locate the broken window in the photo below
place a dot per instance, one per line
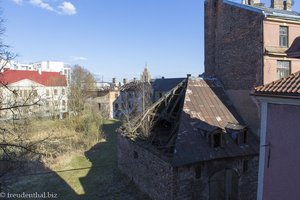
(215, 139)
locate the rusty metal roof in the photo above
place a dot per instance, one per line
(200, 110)
(206, 105)
(288, 87)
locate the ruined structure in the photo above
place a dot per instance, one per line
(190, 144)
(133, 99)
(246, 45)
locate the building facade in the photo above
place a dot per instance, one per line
(246, 45)
(279, 144)
(48, 91)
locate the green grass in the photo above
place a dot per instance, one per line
(92, 175)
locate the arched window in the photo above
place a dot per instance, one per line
(223, 185)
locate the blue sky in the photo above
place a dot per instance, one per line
(111, 38)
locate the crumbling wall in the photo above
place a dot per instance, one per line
(149, 172)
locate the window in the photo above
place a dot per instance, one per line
(47, 93)
(63, 91)
(283, 69)
(215, 139)
(283, 36)
(55, 91)
(245, 165)
(198, 172)
(99, 106)
(135, 155)
(35, 93)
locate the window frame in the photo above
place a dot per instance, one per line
(284, 37)
(282, 67)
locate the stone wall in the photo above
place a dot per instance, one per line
(149, 172)
(188, 186)
(159, 180)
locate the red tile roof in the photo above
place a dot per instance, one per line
(289, 86)
(45, 78)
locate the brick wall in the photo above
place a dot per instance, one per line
(233, 45)
(233, 53)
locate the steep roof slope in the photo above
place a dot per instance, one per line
(206, 107)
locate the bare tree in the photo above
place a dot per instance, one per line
(82, 83)
(14, 147)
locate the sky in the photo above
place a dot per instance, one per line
(110, 38)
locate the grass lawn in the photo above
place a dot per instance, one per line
(92, 175)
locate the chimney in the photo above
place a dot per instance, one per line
(124, 80)
(251, 2)
(114, 80)
(277, 4)
(40, 71)
(288, 5)
(134, 79)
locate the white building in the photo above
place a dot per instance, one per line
(48, 89)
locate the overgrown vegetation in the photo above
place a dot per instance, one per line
(65, 137)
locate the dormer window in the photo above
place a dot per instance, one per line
(238, 133)
(215, 139)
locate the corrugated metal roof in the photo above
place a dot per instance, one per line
(206, 105)
(289, 86)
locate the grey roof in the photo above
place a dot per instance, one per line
(206, 105)
(194, 106)
(165, 84)
(268, 12)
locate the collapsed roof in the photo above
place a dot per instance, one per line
(179, 124)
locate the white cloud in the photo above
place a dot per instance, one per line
(19, 2)
(78, 58)
(41, 4)
(67, 8)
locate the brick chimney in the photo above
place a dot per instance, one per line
(277, 4)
